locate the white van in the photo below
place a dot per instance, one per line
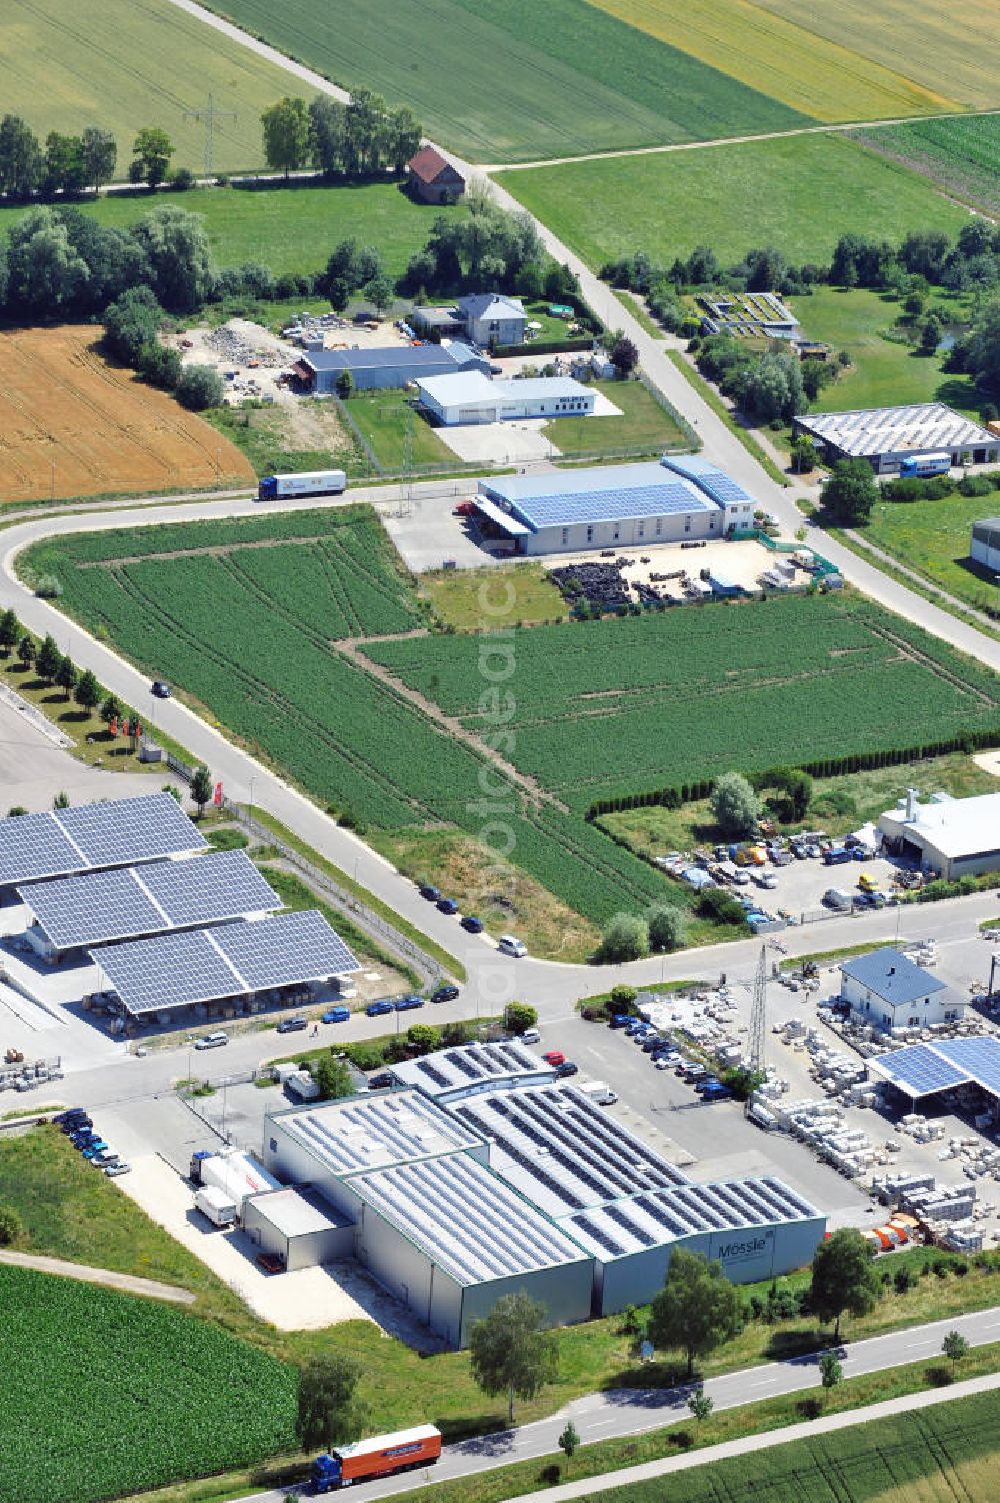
(531, 1036)
(508, 945)
(599, 1092)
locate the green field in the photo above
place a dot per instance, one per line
(99, 62)
(933, 537)
(962, 156)
(643, 428)
(800, 194)
(572, 79)
(117, 1394)
(291, 229)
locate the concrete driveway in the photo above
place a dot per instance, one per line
(522, 442)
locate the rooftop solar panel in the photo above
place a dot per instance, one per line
(661, 499)
(919, 1070)
(33, 845)
(225, 884)
(977, 1058)
(94, 835)
(265, 953)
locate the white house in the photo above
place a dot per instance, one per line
(888, 991)
(471, 397)
(490, 318)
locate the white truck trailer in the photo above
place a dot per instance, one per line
(308, 483)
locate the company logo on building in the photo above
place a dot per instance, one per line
(751, 1247)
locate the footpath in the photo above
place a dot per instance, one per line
(127, 1283)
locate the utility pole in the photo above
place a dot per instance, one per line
(406, 481)
(210, 115)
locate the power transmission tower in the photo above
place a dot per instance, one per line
(210, 115)
(758, 1014)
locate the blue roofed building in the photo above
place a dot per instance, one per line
(888, 991)
(386, 366)
(681, 497)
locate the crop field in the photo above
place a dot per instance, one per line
(942, 44)
(961, 156)
(291, 229)
(667, 203)
(606, 708)
(117, 1394)
(73, 425)
(575, 79)
(772, 47)
(99, 62)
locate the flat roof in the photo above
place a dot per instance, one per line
(954, 826)
(296, 1213)
(649, 1220)
(466, 1219)
(362, 1133)
(924, 1069)
(471, 1067)
(561, 1150)
(87, 837)
(476, 387)
(891, 976)
(923, 426)
(381, 357)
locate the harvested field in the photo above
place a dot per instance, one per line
(73, 425)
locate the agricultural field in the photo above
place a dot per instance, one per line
(939, 43)
(934, 537)
(73, 425)
(961, 156)
(575, 79)
(780, 50)
(799, 193)
(291, 229)
(141, 1395)
(98, 62)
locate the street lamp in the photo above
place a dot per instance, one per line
(189, 1041)
(253, 780)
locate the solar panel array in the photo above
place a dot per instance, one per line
(923, 1069)
(564, 508)
(125, 903)
(209, 965)
(92, 836)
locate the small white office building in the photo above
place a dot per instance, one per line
(952, 837)
(471, 397)
(888, 991)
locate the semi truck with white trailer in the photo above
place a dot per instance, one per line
(237, 1174)
(308, 483)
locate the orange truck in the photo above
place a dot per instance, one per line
(381, 1456)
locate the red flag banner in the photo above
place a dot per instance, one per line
(114, 725)
(218, 794)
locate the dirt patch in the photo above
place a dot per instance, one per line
(73, 425)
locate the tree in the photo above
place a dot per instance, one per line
(87, 692)
(666, 927)
(100, 153)
(21, 163)
(851, 492)
(65, 169)
(422, 1037)
(511, 1352)
(931, 331)
(518, 1017)
(623, 356)
(326, 134)
(803, 454)
(830, 1371)
(152, 150)
(569, 1440)
(696, 1310)
(735, 806)
(328, 1412)
(333, 1077)
(286, 135)
(48, 659)
(843, 1277)
(66, 675)
(700, 1405)
(10, 630)
(112, 709)
(132, 323)
(200, 386)
(379, 292)
(176, 246)
(622, 998)
(625, 938)
(405, 134)
(46, 273)
(344, 385)
(201, 788)
(954, 1346)
(61, 800)
(26, 651)
(11, 1225)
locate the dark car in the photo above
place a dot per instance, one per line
(378, 1009)
(75, 1124)
(83, 1137)
(445, 994)
(71, 1114)
(652, 1043)
(717, 1092)
(407, 1004)
(472, 923)
(292, 1025)
(429, 892)
(620, 1020)
(447, 905)
(566, 1068)
(159, 689)
(382, 1080)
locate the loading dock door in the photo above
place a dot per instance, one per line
(477, 414)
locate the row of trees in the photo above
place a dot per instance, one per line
(363, 138)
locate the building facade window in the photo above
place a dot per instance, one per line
(590, 534)
(565, 536)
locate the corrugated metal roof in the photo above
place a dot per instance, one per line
(368, 1132)
(921, 427)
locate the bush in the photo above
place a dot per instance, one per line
(182, 180)
(715, 903)
(939, 1376)
(11, 1227)
(48, 587)
(666, 928)
(625, 938)
(159, 366)
(518, 1016)
(623, 998)
(735, 806)
(199, 386)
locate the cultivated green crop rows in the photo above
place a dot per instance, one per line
(961, 155)
(108, 1394)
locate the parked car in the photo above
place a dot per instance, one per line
(159, 689)
(447, 905)
(216, 1040)
(531, 1036)
(407, 1004)
(95, 1147)
(472, 923)
(429, 892)
(620, 1020)
(292, 1025)
(337, 1015)
(72, 1113)
(717, 1092)
(650, 1042)
(382, 1080)
(508, 945)
(567, 1068)
(445, 994)
(75, 1124)
(765, 879)
(554, 1057)
(105, 1160)
(113, 1170)
(379, 1009)
(464, 509)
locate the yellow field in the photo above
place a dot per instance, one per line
(789, 61)
(969, 1481)
(951, 43)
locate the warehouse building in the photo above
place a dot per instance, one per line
(385, 368)
(454, 1074)
(952, 837)
(298, 1228)
(473, 398)
(895, 438)
(681, 497)
(985, 546)
(888, 991)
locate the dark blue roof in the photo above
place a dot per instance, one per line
(892, 977)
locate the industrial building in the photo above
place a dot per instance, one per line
(681, 497)
(888, 437)
(385, 368)
(951, 837)
(298, 1228)
(985, 546)
(479, 1175)
(473, 398)
(888, 991)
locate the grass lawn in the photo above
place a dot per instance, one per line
(455, 594)
(961, 155)
(290, 229)
(933, 537)
(799, 193)
(382, 417)
(645, 427)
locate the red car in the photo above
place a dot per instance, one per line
(554, 1057)
(464, 509)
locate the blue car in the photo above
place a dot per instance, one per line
(337, 1015)
(429, 892)
(407, 1004)
(447, 905)
(93, 1149)
(378, 1009)
(620, 1020)
(472, 923)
